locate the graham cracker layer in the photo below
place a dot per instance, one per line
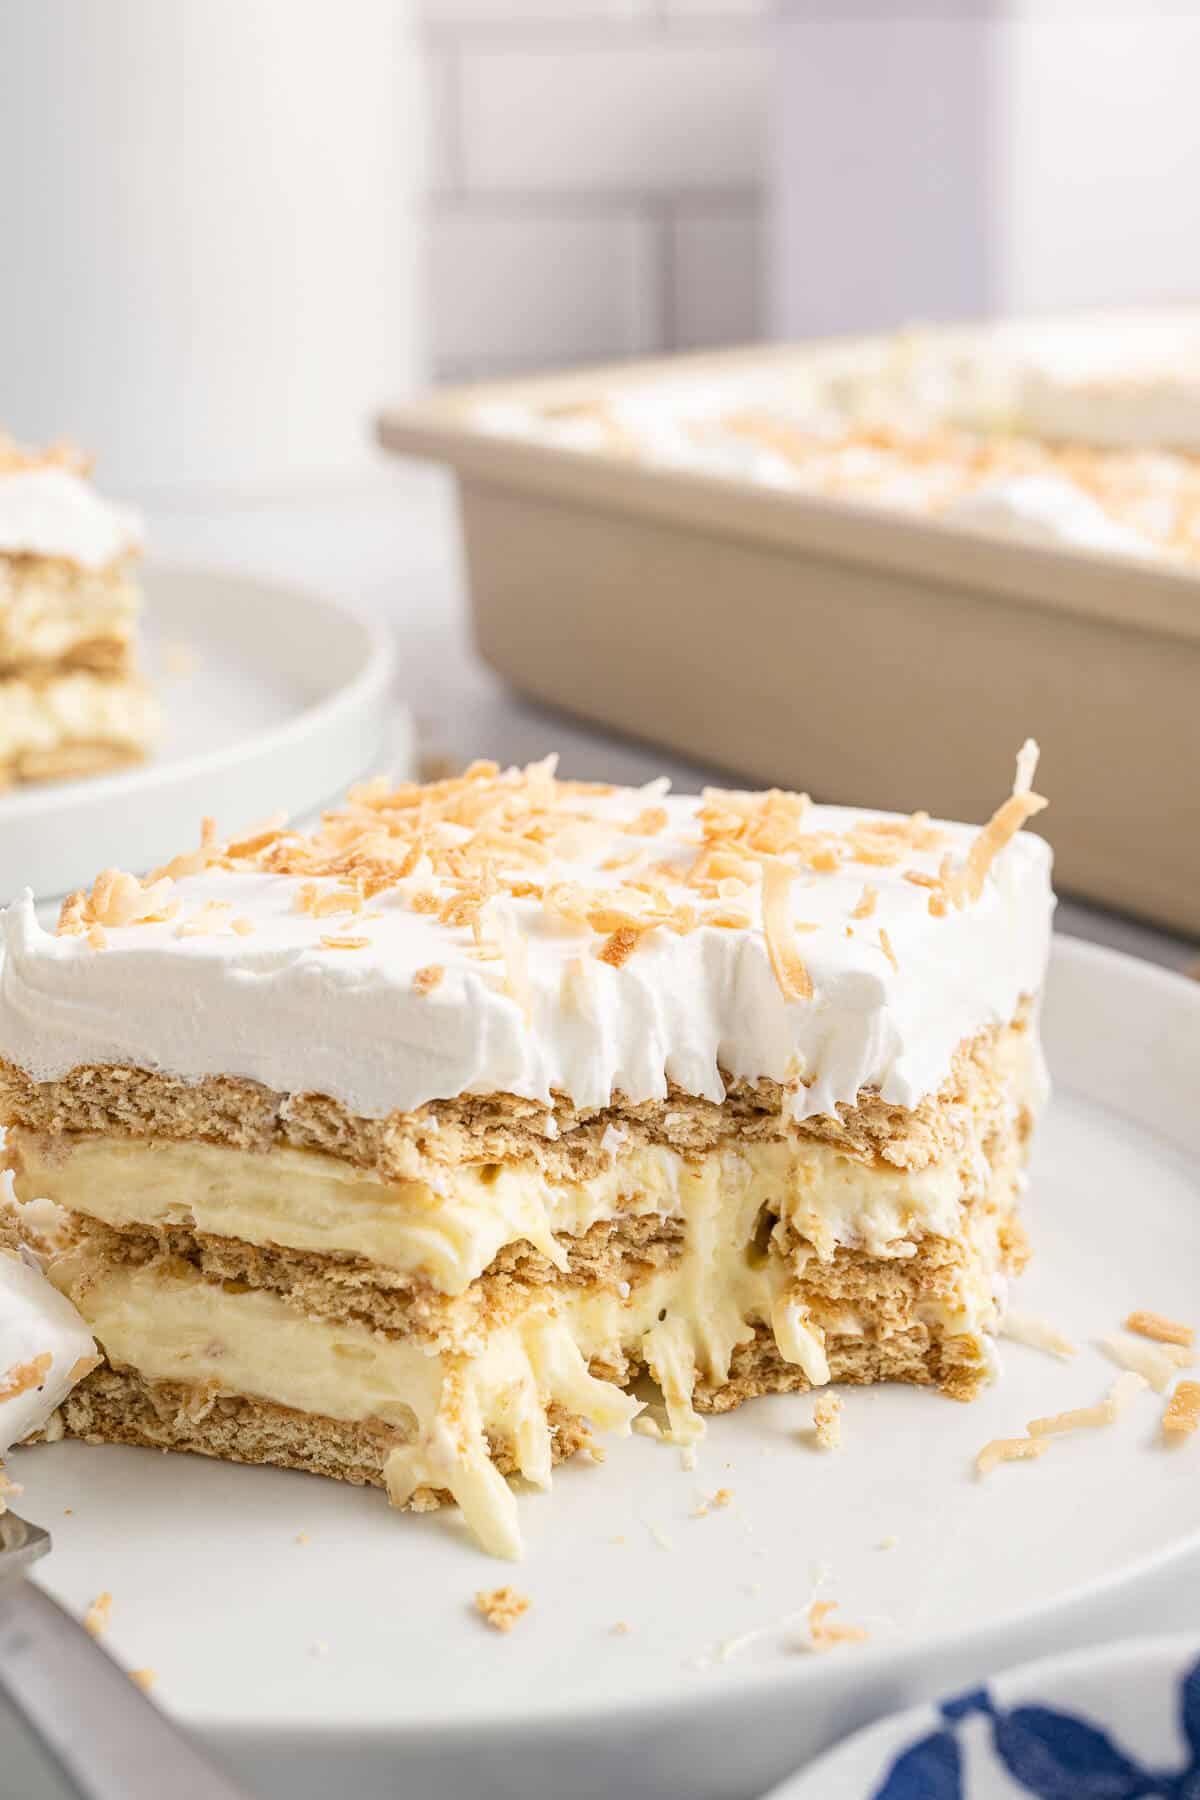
(566, 1143)
(113, 1406)
(611, 1252)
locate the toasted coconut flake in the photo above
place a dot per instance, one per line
(1181, 1415)
(143, 1678)
(1081, 1418)
(516, 962)
(885, 944)
(98, 1615)
(1157, 1362)
(619, 947)
(243, 926)
(1023, 1328)
(823, 1634)
(867, 902)
(428, 978)
(1027, 762)
(795, 982)
(97, 937)
(728, 918)
(1000, 829)
(1162, 1330)
(578, 992)
(345, 943)
(648, 823)
(25, 1376)
(1002, 1450)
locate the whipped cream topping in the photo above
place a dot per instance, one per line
(44, 1346)
(241, 980)
(48, 510)
(1044, 509)
(1051, 445)
(1121, 391)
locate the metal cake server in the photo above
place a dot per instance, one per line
(109, 1740)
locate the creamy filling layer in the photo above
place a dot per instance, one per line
(684, 1322)
(447, 1235)
(77, 708)
(297, 1200)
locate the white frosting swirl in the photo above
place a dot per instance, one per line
(277, 1006)
(49, 511)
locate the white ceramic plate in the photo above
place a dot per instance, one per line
(1112, 1722)
(355, 1663)
(273, 696)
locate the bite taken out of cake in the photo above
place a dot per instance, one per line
(397, 1150)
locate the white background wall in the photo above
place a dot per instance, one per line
(595, 178)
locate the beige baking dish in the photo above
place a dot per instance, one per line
(861, 654)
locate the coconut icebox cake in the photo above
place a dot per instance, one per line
(1091, 444)
(399, 1150)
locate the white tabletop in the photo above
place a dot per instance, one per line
(391, 546)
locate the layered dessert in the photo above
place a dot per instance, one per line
(1093, 447)
(398, 1150)
(72, 702)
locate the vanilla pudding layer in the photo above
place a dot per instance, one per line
(743, 1305)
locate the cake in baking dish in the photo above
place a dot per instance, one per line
(397, 1150)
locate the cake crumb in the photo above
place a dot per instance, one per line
(1181, 1415)
(824, 1635)
(1002, 1450)
(98, 1615)
(827, 1420)
(889, 1542)
(8, 1489)
(302, 1537)
(502, 1606)
(143, 1678)
(1162, 1330)
(620, 1629)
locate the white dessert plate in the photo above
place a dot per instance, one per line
(351, 1660)
(273, 697)
(1123, 1720)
